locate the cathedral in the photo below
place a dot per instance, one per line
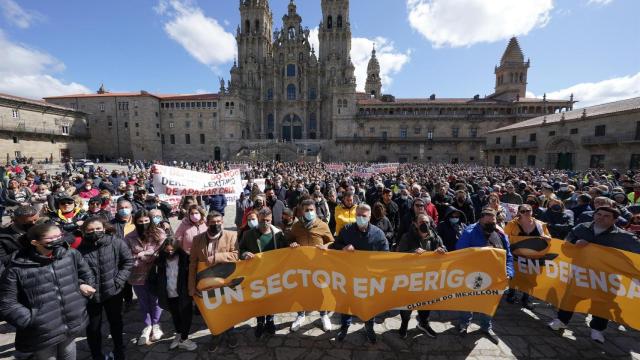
(286, 100)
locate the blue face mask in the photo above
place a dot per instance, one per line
(124, 212)
(362, 221)
(156, 220)
(310, 215)
(252, 224)
(454, 221)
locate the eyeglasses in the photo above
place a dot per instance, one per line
(524, 211)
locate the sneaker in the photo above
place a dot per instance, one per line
(144, 336)
(156, 333)
(259, 330)
(213, 346)
(371, 334)
(597, 336)
(270, 328)
(491, 335)
(556, 325)
(232, 340)
(403, 330)
(176, 341)
(426, 328)
(188, 345)
(297, 323)
(326, 323)
(462, 330)
(343, 333)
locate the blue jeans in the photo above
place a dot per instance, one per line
(465, 319)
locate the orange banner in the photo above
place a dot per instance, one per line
(359, 283)
(596, 280)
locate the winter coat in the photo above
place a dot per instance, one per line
(250, 241)
(450, 233)
(412, 240)
(466, 208)
(473, 236)
(110, 260)
(385, 225)
(344, 216)
(41, 297)
(144, 254)
(217, 203)
(187, 231)
(157, 279)
(68, 225)
(392, 212)
(613, 237)
(559, 223)
(317, 234)
(371, 240)
(276, 210)
(10, 242)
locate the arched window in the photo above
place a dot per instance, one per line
(291, 92)
(292, 33)
(521, 77)
(256, 27)
(312, 93)
(329, 22)
(313, 123)
(291, 70)
(269, 94)
(339, 22)
(270, 123)
(247, 26)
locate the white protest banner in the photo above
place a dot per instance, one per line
(181, 182)
(334, 167)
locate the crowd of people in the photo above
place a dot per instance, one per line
(71, 254)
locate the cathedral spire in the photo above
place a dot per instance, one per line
(513, 53)
(373, 85)
(511, 74)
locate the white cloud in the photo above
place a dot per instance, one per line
(16, 15)
(203, 37)
(457, 23)
(605, 91)
(27, 72)
(391, 60)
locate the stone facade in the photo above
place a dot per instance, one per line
(283, 101)
(39, 130)
(601, 136)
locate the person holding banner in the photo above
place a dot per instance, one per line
(310, 231)
(525, 225)
(365, 237)
(421, 238)
(215, 246)
(264, 238)
(604, 232)
(484, 233)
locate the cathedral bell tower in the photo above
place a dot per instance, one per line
(253, 37)
(511, 74)
(373, 86)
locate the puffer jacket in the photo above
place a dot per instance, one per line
(187, 231)
(110, 260)
(41, 297)
(144, 254)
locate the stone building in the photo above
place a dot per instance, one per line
(601, 136)
(39, 130)
(284, 101)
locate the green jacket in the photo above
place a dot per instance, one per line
(250, 241)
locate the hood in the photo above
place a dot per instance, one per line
(450, 210)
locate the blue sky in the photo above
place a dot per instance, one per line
(447, 47)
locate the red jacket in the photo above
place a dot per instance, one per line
(432, 211)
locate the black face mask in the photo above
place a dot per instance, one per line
(215, 229)
(258, 205)
(287, 222)
(424, 228)
(489, 228)
(556, 208)
(26, 226)
(94, 236)
(54, 244)
(142, 228)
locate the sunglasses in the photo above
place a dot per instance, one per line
(524, 211)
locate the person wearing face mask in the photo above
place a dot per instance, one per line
(215, 246)
(480, 200)
(190, 227)
(405, 203)
(43, 293)
(69, 217)
(23, 219)
(145, 244)
(345, 212)
(88, 191)
(584, 205)
(294, 195)
(95, 209)
(266, 237)
(168, 280)
(419, 240)
(534, 202)
(275, 205)
(362, 236)
(484, 233)
(462, 203)
(288, 220)
(259, 201)
(309, 230)
(451, 227)
(322, 209)
(40, 197)
(558, 220)
(111, 260)
(279, 189)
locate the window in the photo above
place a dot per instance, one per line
(329, 22)
(172, 139)
(137, 125)
(200, 124)
(126, 125)
(157, 134)
(601, 130)
(135, 104)
(65, 129)
(187, 115)
(202, 139)
(312, 94)
(339, 22)
(417, 130)
(496, 160)
(16, 140)
(372, 130)
(634, 164)
(269, 94)
(430, 134)
(156, 114)
(552, 133)
(172, 125)
(512, 160)
(137, 133)
(270, 123)
(162, 139)
(110, 124)
(291, 70)
(187, 124)
(135, 113)
(455, 132)
(498, 140)
(473, 132)
(198, 104)
(187, 139)
(15, 114)
(157, 126)
(291, 92)
(170, 115)
(597, 162)
(101, 106)
(533, 137)
(313, 123)
(531, 160)
(403, 133)
(573, 131)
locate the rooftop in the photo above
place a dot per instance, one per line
(34, 102)
(141, 93)
(576, 115)
(445, 101)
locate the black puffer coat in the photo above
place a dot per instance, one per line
(41, 297)
(110, 260)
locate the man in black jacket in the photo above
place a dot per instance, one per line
(24, 217)
(43, 294)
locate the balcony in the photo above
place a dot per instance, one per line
(21, 128)
(408, 139)
(600, 140)
(629, 138)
